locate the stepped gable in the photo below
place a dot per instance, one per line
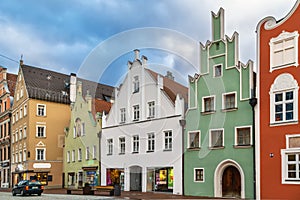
(11, 82)
(46, 85)
(171, 87)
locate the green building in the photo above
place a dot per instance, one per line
(218, 157)
(89, 101)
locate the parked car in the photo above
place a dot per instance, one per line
(28, 187)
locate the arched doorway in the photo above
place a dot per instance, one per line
(231, 182)
(135, 178)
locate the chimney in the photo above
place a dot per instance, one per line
(144, 60)
(73, 80)
(137, 54)
(170, 75)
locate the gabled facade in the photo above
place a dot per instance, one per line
(218, 157)
(278, 108)
(40, 112)
(7, 88)
(81, 150)
(141, 137)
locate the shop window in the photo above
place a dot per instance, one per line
(42, 177)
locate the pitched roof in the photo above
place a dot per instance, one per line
(101, 106)
(53, 86)
(45, 84)
(171, 87)
(11, 82)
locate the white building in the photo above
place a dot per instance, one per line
(142, 135)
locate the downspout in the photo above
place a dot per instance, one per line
(182, 124)
(253, 102)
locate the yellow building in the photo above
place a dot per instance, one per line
(40, 112)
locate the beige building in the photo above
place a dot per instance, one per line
(40, 113)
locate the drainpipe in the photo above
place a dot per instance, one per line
(253, 102)
(99, 134)
(182, 124)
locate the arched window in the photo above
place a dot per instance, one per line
(284, 99)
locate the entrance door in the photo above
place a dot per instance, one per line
(231, 182)
(135, 178)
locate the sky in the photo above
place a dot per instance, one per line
(95, 38)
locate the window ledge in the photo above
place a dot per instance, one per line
(167, 150)
(121, 153)
(216, 148)
(242, 146)
(292, 182)
(194, 149)
(135, 120)
(208, 112)
(284, 123)
(135, 152)
(109, 154)
(149, 151)
(229, 109)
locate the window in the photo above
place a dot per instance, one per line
(284, 99)
(122, 145)
(25, 110)
(40, 154)
(24, 132)
(83, 128)
(20, 134)
(136, 112)
(243, 136)
(151, 142)
(24, 155)
(21, 92)
(284, 50)
(168, 140)
(136, 84)
(290, 160)
(73, 155)
(20, 156)
(194, 139)
(13, 119)
(17, 116)
(68, 156)
(229, 101)
(94, 151)
(136, 144)
(110, 146)
(198, 175)
(151, 109)
(217, 70)
(17, 136)
(216, 138)
(87, 153)
(21, 113)
(208, 104)
(41, 110)
(123, 115)
(40, 131)
(79, 154)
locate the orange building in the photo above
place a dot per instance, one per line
(7, 87)
(278, 108)
(41, 111)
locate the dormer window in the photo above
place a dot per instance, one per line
(136, 84)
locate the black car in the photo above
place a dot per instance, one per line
(28, 187)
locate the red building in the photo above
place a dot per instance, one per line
(278, 126)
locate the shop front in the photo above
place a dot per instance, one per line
(160, 179)
(115, 176)
(91, 175)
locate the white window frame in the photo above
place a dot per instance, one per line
(38, 106)
(151, 109)
(68, 156)
(73, 156)
(284, 162)
(136, 84)
(122, 115)
(121, 143)
(282, 38)
(195, 175)
(236, 135)
(168, 140)
(24, 155)
(94, 151)
(135, 144)
(213, 97)
(136, 112)
(189, 142)
(224, 95)
(87, 153)
(79, 154)
(36, 153)
(37, 131)
(20, 133)
(210, 138)
(150, 142)
(20, 156)
(110, 146)
(25, 110)
(24, 131)
(283, 83)
(214, 70)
